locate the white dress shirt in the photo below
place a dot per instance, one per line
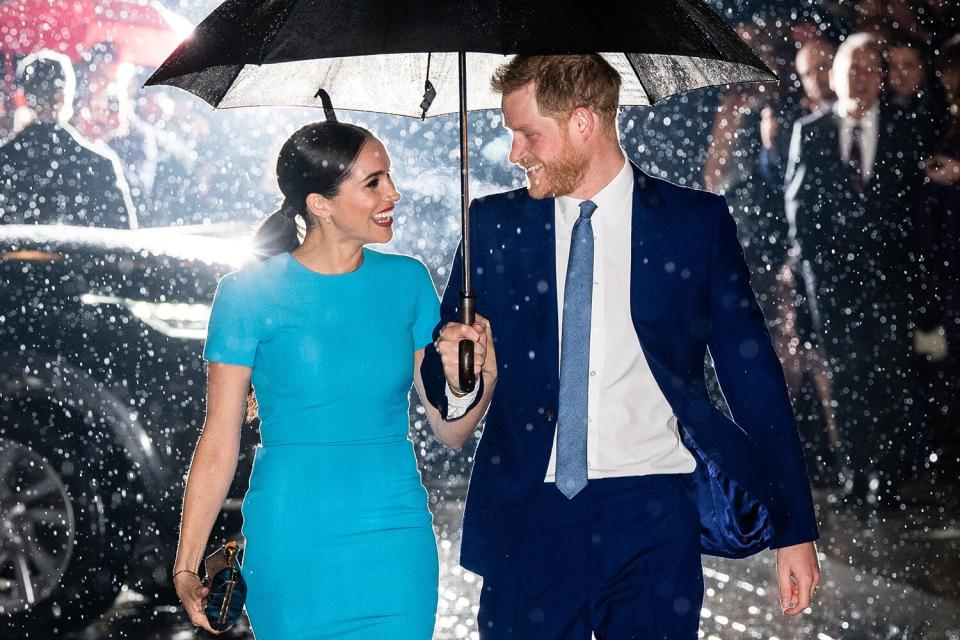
(869, 135)
(631, 429)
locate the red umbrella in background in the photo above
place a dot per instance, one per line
(143, 33)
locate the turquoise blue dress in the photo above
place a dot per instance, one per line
(339, 541)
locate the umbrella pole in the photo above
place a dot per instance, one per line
(468, 300)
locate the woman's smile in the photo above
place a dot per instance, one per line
(384, 218)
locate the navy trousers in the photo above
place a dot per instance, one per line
(621, 560)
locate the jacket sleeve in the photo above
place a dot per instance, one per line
(752, 381)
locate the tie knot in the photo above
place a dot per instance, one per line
(587, 207)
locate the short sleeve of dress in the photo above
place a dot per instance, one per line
(231, 335)
(428, 309)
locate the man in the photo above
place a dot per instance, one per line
(48, 172)
(604, 470)
(108, 116)
(852, 197)
(914, 100)
(813, 63)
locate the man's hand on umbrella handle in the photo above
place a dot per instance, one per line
(798, 571)
(448, 346)
(489, 364)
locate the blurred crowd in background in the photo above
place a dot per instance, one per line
(844, 179)
(845, 185)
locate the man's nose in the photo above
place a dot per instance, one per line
(516, 151)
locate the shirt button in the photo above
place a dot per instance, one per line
(593, 374)
(589, 419)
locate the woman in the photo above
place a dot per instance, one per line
(339, 542)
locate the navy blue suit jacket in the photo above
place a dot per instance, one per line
(689, 292)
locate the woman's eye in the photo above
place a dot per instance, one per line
(373, 184)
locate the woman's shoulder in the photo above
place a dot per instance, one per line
(255, 278)
(397, 263)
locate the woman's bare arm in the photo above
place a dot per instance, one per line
(211, 474)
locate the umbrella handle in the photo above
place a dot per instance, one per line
(468, 380)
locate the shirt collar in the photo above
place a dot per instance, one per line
(609, 198)
(869, 121)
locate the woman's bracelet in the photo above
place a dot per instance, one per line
(193, 573)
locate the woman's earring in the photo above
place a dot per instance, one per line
(328, 219)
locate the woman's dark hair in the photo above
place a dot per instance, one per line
(315, 159)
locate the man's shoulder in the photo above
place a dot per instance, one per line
(503, 199)
(90, 151)
(661, 193)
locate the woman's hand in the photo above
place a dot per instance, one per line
(192, 595)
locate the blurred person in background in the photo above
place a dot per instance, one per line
(942, 245)
(914, 96)
(51, 173)
(742, 148)
(813, 61)
(744, 163)
(853, 188)
(108, 115)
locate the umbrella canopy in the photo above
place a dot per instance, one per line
(142, 31)
(411, 57)
(374, 56)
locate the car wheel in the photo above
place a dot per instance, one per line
(62, 559)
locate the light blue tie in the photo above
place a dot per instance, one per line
(575, 358)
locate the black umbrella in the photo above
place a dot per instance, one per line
(411, 57)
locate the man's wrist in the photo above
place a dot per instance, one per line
(456, 391)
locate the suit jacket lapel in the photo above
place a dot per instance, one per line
(647, 240)
(539, 262)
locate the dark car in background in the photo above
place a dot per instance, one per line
(102, 390)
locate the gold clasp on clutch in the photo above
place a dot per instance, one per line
(229, 551)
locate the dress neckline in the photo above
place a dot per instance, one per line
(302, 267)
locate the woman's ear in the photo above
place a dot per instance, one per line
(318, 205)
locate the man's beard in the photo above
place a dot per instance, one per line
(560, 177)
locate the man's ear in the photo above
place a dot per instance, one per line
(830, 75)
(583, 123)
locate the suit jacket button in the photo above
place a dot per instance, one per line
(550, 415)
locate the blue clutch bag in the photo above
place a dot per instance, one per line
(228, 591)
